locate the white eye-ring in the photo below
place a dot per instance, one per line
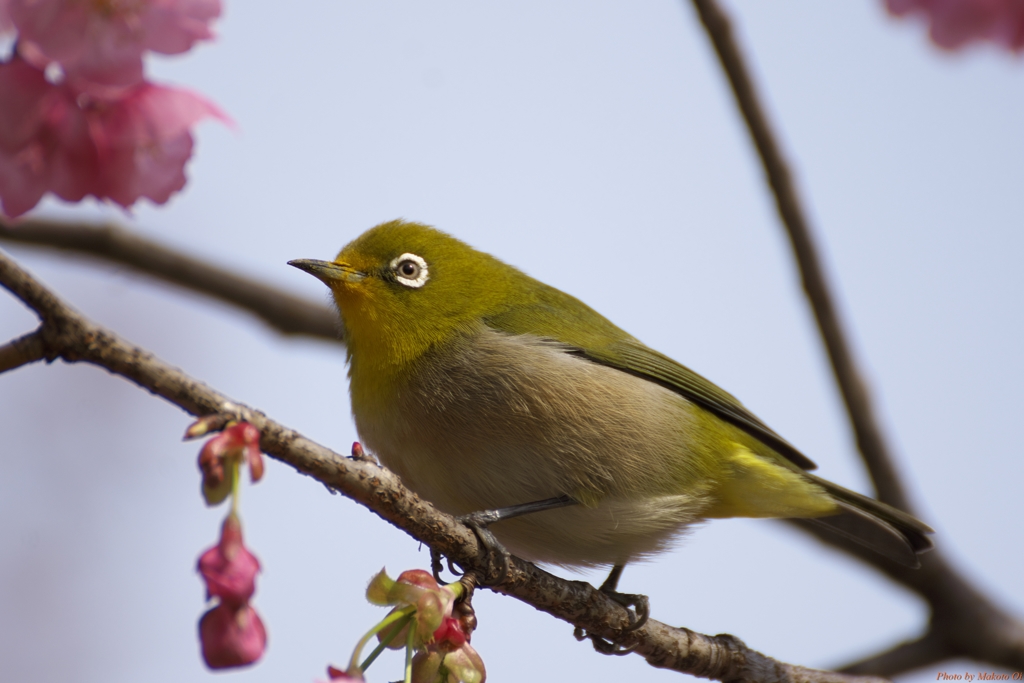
(410, 270)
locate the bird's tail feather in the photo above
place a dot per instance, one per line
(875, 525)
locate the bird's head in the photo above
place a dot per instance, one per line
(403, 287)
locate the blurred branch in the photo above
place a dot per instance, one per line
(964, 622)
(287, 313)
(21, 351)
(913, 654)
(868, 433)
(67, 335)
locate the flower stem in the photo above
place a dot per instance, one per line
(387, 621)
(457, 587)
(236, 485)
(408, 655)
(399, 625)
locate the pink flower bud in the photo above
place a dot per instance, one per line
(426, 667)
(418, 577)
(231, 637)
(204, 425)
(238, 444)
(414, 587)
(228, 568)
(465, 665)
(343, 676)
(449, 635)
(459, 666)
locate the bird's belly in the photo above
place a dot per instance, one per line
(501, 420)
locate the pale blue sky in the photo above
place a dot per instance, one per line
(595, 145)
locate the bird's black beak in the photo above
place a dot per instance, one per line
(328, 272)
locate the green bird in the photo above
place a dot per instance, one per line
(486, 390)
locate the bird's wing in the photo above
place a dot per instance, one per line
(556, 315)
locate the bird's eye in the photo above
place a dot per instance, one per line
(410, 270)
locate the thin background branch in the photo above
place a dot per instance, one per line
(287, 313)
(964, 622)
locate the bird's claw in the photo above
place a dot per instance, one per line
(491, 546)
(640, 603)
(435, 565)
(605, 647)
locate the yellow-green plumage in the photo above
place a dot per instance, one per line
(484, 388)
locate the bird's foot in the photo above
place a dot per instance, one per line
(641, 605)
(605, 647)
(435, 565)
(639, 602)
(498, 559)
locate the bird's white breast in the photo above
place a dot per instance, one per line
(494, 420)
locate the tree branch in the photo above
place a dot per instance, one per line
(21, 351)
(868, 433)
(67, 335)
(964, 621)
(913, 654)
(286, 313)
(983, 631)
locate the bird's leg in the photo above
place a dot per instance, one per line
(627, 600)
(479, 521)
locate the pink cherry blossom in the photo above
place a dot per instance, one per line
(102, 41)
(413, 587)
(232, 637)
(5, 17)
(55, 138)
(953, 23)
(45, 143)
(143, 140)
(228, 568)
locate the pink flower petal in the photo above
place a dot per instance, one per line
(6, 24)
(954, 23)
(173, 26)
(44, 140)
(143, 141)
(449, 635)
(103, 42)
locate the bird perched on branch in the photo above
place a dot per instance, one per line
(486, 390)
